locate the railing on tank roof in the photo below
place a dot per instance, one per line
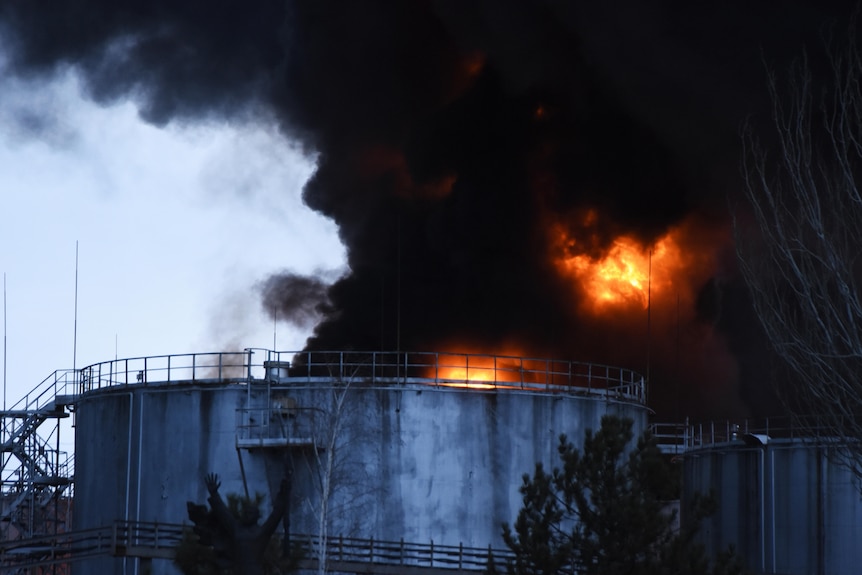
(695, 435)
(443, 369)
(210, 367)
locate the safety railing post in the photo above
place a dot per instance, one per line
(685, 435)
(547, 374)
(250, 352)
(114, 536)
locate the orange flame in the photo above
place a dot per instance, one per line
(476, 371)
(628, 273)
(468, 369)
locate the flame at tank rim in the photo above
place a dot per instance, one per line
(446, 370)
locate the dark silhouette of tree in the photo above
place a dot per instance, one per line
(799, 244)
(606, 511)
(226, 538)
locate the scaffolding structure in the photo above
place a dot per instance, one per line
(36, 476)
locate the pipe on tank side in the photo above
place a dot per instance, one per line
(762, 510)
(772, 502)
(140, 454)
(129, 468)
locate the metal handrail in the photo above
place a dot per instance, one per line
(401, 553)
(55, 549)
(288, 423)
(125, 538)
(167, 369)
(43, 395)
(440, 369)
(709, 433)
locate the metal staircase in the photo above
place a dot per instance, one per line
(36, 477)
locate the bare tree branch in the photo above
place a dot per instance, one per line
(799, 246)
(339, 479)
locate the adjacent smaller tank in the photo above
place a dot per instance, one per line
(784, 503)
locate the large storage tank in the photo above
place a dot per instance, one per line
(419, 447)
(784, 503)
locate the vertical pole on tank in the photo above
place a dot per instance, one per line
(821, 523)
(249, 364)
(762, 509)
(285, 520)
(772, 500)
(242, 471)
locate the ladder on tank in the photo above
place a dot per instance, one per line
(273, 420)
(35, 476)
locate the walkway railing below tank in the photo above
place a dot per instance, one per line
(477, 371)
(342, 552)
(158, 540)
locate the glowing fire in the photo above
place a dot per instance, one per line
(474, 371)
(628, 273)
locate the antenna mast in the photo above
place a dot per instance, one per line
(4, 341)
(75, 335)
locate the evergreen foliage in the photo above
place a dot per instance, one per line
(197, 552)
(606, 511)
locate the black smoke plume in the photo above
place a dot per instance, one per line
(452, 136)
(297, 299)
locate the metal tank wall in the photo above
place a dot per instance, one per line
(412, 461)
(142, 452)
(784, 505)
(439, 464)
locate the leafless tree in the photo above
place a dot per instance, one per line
(326, 471)
(800, 245)
(340, 481)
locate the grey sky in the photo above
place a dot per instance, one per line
(176, 227)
